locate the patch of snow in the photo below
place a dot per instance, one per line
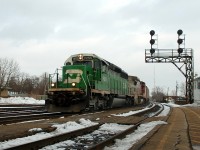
(165, 111)
(173, 105)
(129, 140)
(21, 100)
(61, 128)
(114, 127)
(107, 128)
(130, 113)
(35, 130)
(192, 105)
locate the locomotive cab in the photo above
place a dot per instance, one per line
(75, 84)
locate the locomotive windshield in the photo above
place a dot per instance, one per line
(87, 63)
(82, 60)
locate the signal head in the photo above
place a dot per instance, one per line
(152, 41)
(180, 50)
(152, 32)
(152, 50)
(179, 32)
(180, 41)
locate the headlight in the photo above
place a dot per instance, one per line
(73, 84)
(80, 57)
(52, 84)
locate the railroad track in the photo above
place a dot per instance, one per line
(13, 110)
(15, 113)
(92, 143)
(20, 107)
(18, 113)
(27, 117)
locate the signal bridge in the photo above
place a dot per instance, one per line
(181, 56)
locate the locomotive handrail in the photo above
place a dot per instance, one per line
(89, 84)
(84, 83)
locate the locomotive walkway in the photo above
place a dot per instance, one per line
(181, 132)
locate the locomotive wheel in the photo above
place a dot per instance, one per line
(96, 106)
(129, 101)
(110, 102)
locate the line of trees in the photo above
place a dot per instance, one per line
(20, 82)
(158, 93)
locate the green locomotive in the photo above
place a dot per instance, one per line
(86, 82)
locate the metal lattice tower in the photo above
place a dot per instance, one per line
(181, 56)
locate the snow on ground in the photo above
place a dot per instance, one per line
(176, 105)
(168, 105)
(71, 126)
(61, 128)
(107, 128)
(173, 105)
(132, 112)
(165, 111)
(129, 140)
(21, 100)
(192, 105)
(122, 144)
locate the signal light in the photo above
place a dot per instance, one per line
(180, 41)
(179, 32)
(180, 50)
(152, 32)
(152, 41)
(152, 50)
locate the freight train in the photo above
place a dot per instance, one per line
(87, 81)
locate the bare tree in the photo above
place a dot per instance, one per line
(22, 79)
(42, 84)
(20, 82)
(158, 94)
(8, 69)
(26, 84)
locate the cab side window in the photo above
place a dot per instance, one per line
(68, 63)
(104, 66)
(97, 64)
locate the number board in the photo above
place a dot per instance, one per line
(84, 58)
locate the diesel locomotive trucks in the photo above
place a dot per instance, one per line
(87, 81)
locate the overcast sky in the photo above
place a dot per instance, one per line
(41, 34)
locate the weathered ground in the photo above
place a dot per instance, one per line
(181, 131)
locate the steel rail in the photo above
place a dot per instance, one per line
(15, 119)
(122, 134)
(54, 139)
(65, 136)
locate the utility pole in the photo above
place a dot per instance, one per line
(176, 88)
